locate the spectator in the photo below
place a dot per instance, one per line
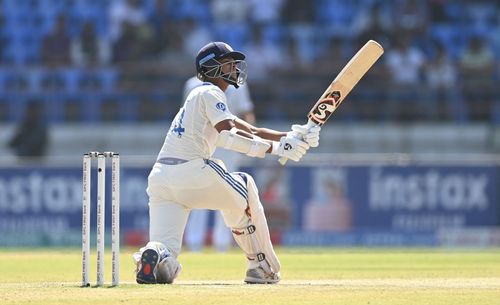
(476, 61)
(88, 49)
(173, 54)
(230, 11)
(56, 45)
(298, 12)
(411, 16)
(2, 37)
(437, 10)
(480, 14)
(495, 36)
(124, 12)
(374, 22)
(134, 44)
(195, 35)
(331, 58)
(495, 43)
(265, 12)
(477, 66)
(441, 76)
(263, 57)
(405, 65)
(168, 35)
(166, 30)
(299, 16)
(31, 136)
(158, 16)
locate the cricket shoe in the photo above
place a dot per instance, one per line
(259, 276)
(147, 270)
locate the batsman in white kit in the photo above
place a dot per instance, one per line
(240, 103)
(186, 176)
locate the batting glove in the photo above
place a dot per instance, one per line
(290, 147)
(309, 135)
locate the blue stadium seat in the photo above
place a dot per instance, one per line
(108, 78)
(128, 106)
(335, 12)
(495, 113)
(449, 36)
(11, 7)
(52, 80)
(236, 37)
(16, 108)
(199, 10)
(102, 27)
(54, 106)
(89, 10)
(274, 33)
(90, 106)
(71, 78)
(13, 28)
(34, 77)
(16, 53)
(3, 79)
(25, 79)
(494, 38)
(49, 9)
(78, 80)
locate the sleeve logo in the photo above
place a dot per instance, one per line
(221, 106)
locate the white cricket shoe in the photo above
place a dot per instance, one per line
(259, 276)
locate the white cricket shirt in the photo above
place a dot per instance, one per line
(192, 133)
(238, 100)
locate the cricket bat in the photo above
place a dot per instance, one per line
(350, 75)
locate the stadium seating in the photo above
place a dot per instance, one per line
(26, 22)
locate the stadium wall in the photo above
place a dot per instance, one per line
(353, 200)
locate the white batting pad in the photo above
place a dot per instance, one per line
(254, 239)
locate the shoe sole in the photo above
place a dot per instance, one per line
(252, 280)
(149, 260)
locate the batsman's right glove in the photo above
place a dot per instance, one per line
(309, 135)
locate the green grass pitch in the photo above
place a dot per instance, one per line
(309, 276)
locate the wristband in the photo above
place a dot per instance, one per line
(276, 146)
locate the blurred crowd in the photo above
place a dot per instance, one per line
(126, 60)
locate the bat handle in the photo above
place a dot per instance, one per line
(283, 160)
(309, 125)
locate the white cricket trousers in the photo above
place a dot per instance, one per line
(197, 225)
(174, 190)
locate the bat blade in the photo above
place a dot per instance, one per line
(342, 85)
(345, 81)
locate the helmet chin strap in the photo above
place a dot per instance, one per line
(231, 82)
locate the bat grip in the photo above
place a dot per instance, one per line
(309, 125)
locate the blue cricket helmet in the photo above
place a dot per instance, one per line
(216, 50)
(208, 64)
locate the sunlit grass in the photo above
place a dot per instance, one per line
(309, 276)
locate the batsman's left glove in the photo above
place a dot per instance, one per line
(290, 147)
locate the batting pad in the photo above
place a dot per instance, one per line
(254, 239)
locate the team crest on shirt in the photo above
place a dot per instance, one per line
(221, 106)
